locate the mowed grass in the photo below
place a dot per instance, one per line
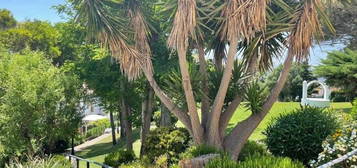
(98, 151)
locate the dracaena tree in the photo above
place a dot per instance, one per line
(257, 31)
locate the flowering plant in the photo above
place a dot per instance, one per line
(338, 144)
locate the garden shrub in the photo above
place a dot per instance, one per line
(341, 142)
(252, 148)
(269, 162)
(166, 140)
(299, 135)
(196, 151)
(117, 158)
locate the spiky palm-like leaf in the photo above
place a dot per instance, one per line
(307, 26)
(255, 97)
(101, 18)
(184, 25)
(242, 19)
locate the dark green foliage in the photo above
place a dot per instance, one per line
(252, 148)
(299, 134)
(340, 70)
(196, 151)
(293, 86)
(166, 140)
(269, 162)
(117, 158)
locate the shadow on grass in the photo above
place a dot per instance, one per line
(106, 147)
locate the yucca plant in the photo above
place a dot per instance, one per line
(259, 30)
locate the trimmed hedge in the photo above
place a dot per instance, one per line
(299, 135)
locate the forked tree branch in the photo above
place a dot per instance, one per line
(234, 141)
(214, 135)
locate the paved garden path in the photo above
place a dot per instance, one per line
(91, 142)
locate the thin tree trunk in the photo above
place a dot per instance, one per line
(113, 127)
(190, 99)
(127, 125)
(235, 141)
(165, 119)
(213, 134)
(147, 110)
(122, 126)
(205, 99)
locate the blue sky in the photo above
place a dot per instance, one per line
(32, 9)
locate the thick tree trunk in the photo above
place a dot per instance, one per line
(146, 114)
(228, 113)
(165, 119)
(214, 138)
(234, 142)
(113, 127)
(190, 99)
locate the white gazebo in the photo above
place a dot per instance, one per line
(315, 102)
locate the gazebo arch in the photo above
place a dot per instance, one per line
(316, 102)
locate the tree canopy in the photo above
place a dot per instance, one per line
(339, 69)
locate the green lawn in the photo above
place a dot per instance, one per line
(97, 152)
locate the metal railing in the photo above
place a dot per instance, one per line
(338, 160)
(88, 162)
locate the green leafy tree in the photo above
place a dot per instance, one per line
(339, 69)
(7, 20)
(34, 35)
(293, 86)
(36, 98)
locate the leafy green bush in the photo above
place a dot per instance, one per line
(252, 148)
(269, 162)
(167, 140)
(195, 151)
(56, 161)
(341, 142)
(120, 157)
(299, 135)
(354, 109)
